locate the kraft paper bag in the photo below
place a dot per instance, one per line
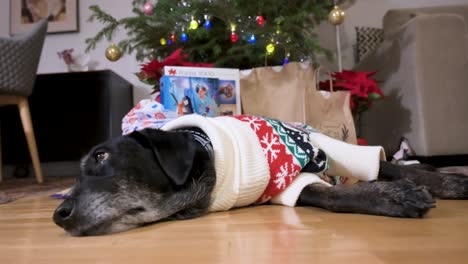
(290, 93)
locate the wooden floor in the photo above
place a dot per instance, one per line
(265, 234)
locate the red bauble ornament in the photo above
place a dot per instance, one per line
(234, 37)
(260, 21)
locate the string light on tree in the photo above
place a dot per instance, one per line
(270, 48)
(252, 39)
(193, 24)
(169, 42)
(278, 30)
(173, 37)
(113, 53)
(207, 23)
(286, 59)
(151, 54)
(260, 20)
(234, 36)
(163, 41)
(183, 37)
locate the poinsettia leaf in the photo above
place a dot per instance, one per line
(362, 87)
(374, 96)
(349, 86)
(375, 89)
(150, 81)
(370, 74)
(352, 104)
(156, 89)
(139, 75)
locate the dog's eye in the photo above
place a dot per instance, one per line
(101, 157)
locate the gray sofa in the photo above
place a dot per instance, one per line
(423, 68)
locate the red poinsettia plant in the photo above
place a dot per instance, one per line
(151, 72)
(364, 91)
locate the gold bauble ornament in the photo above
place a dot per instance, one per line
(113, 53)
(336, 16)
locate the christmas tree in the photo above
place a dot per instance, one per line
(230, 33)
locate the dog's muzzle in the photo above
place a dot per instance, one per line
(64, 214)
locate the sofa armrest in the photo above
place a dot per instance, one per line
(378, 58)
(423, 70)
(396, 18)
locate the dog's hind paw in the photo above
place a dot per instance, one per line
(452, 186)
(404, 198)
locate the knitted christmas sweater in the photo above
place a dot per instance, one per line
(259, 159)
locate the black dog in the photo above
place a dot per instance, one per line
(155, 175)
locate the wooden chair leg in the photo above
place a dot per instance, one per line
(25, 114)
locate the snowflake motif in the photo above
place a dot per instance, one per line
(269, 142)
(254, 122)
(280, 177)
(305, 138)
(294, 174)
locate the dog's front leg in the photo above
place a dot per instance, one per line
(442, 185)
(401, 198)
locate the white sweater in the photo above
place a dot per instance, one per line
(242, 170)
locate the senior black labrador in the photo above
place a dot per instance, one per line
(153, 175)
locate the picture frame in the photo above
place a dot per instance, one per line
(62, 14)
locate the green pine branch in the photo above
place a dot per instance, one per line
(110, 23)
(289, 25)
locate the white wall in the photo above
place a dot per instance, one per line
(363, 13)
(4, 17)
(50, 63)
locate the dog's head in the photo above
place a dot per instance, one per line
(137, 179)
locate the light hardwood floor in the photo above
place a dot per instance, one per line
(264, 234)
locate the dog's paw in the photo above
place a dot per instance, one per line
(452, 186)
(404, 198)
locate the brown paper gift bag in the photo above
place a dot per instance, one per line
(290, 93)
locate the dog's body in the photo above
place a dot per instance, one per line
(154, 175)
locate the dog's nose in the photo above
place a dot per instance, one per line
(63, 214)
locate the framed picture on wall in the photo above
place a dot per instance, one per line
(62, 15)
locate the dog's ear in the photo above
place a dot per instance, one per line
(174, 151)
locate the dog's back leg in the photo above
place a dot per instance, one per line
(401, 198)
(442, 185)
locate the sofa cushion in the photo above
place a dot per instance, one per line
(367, 39)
